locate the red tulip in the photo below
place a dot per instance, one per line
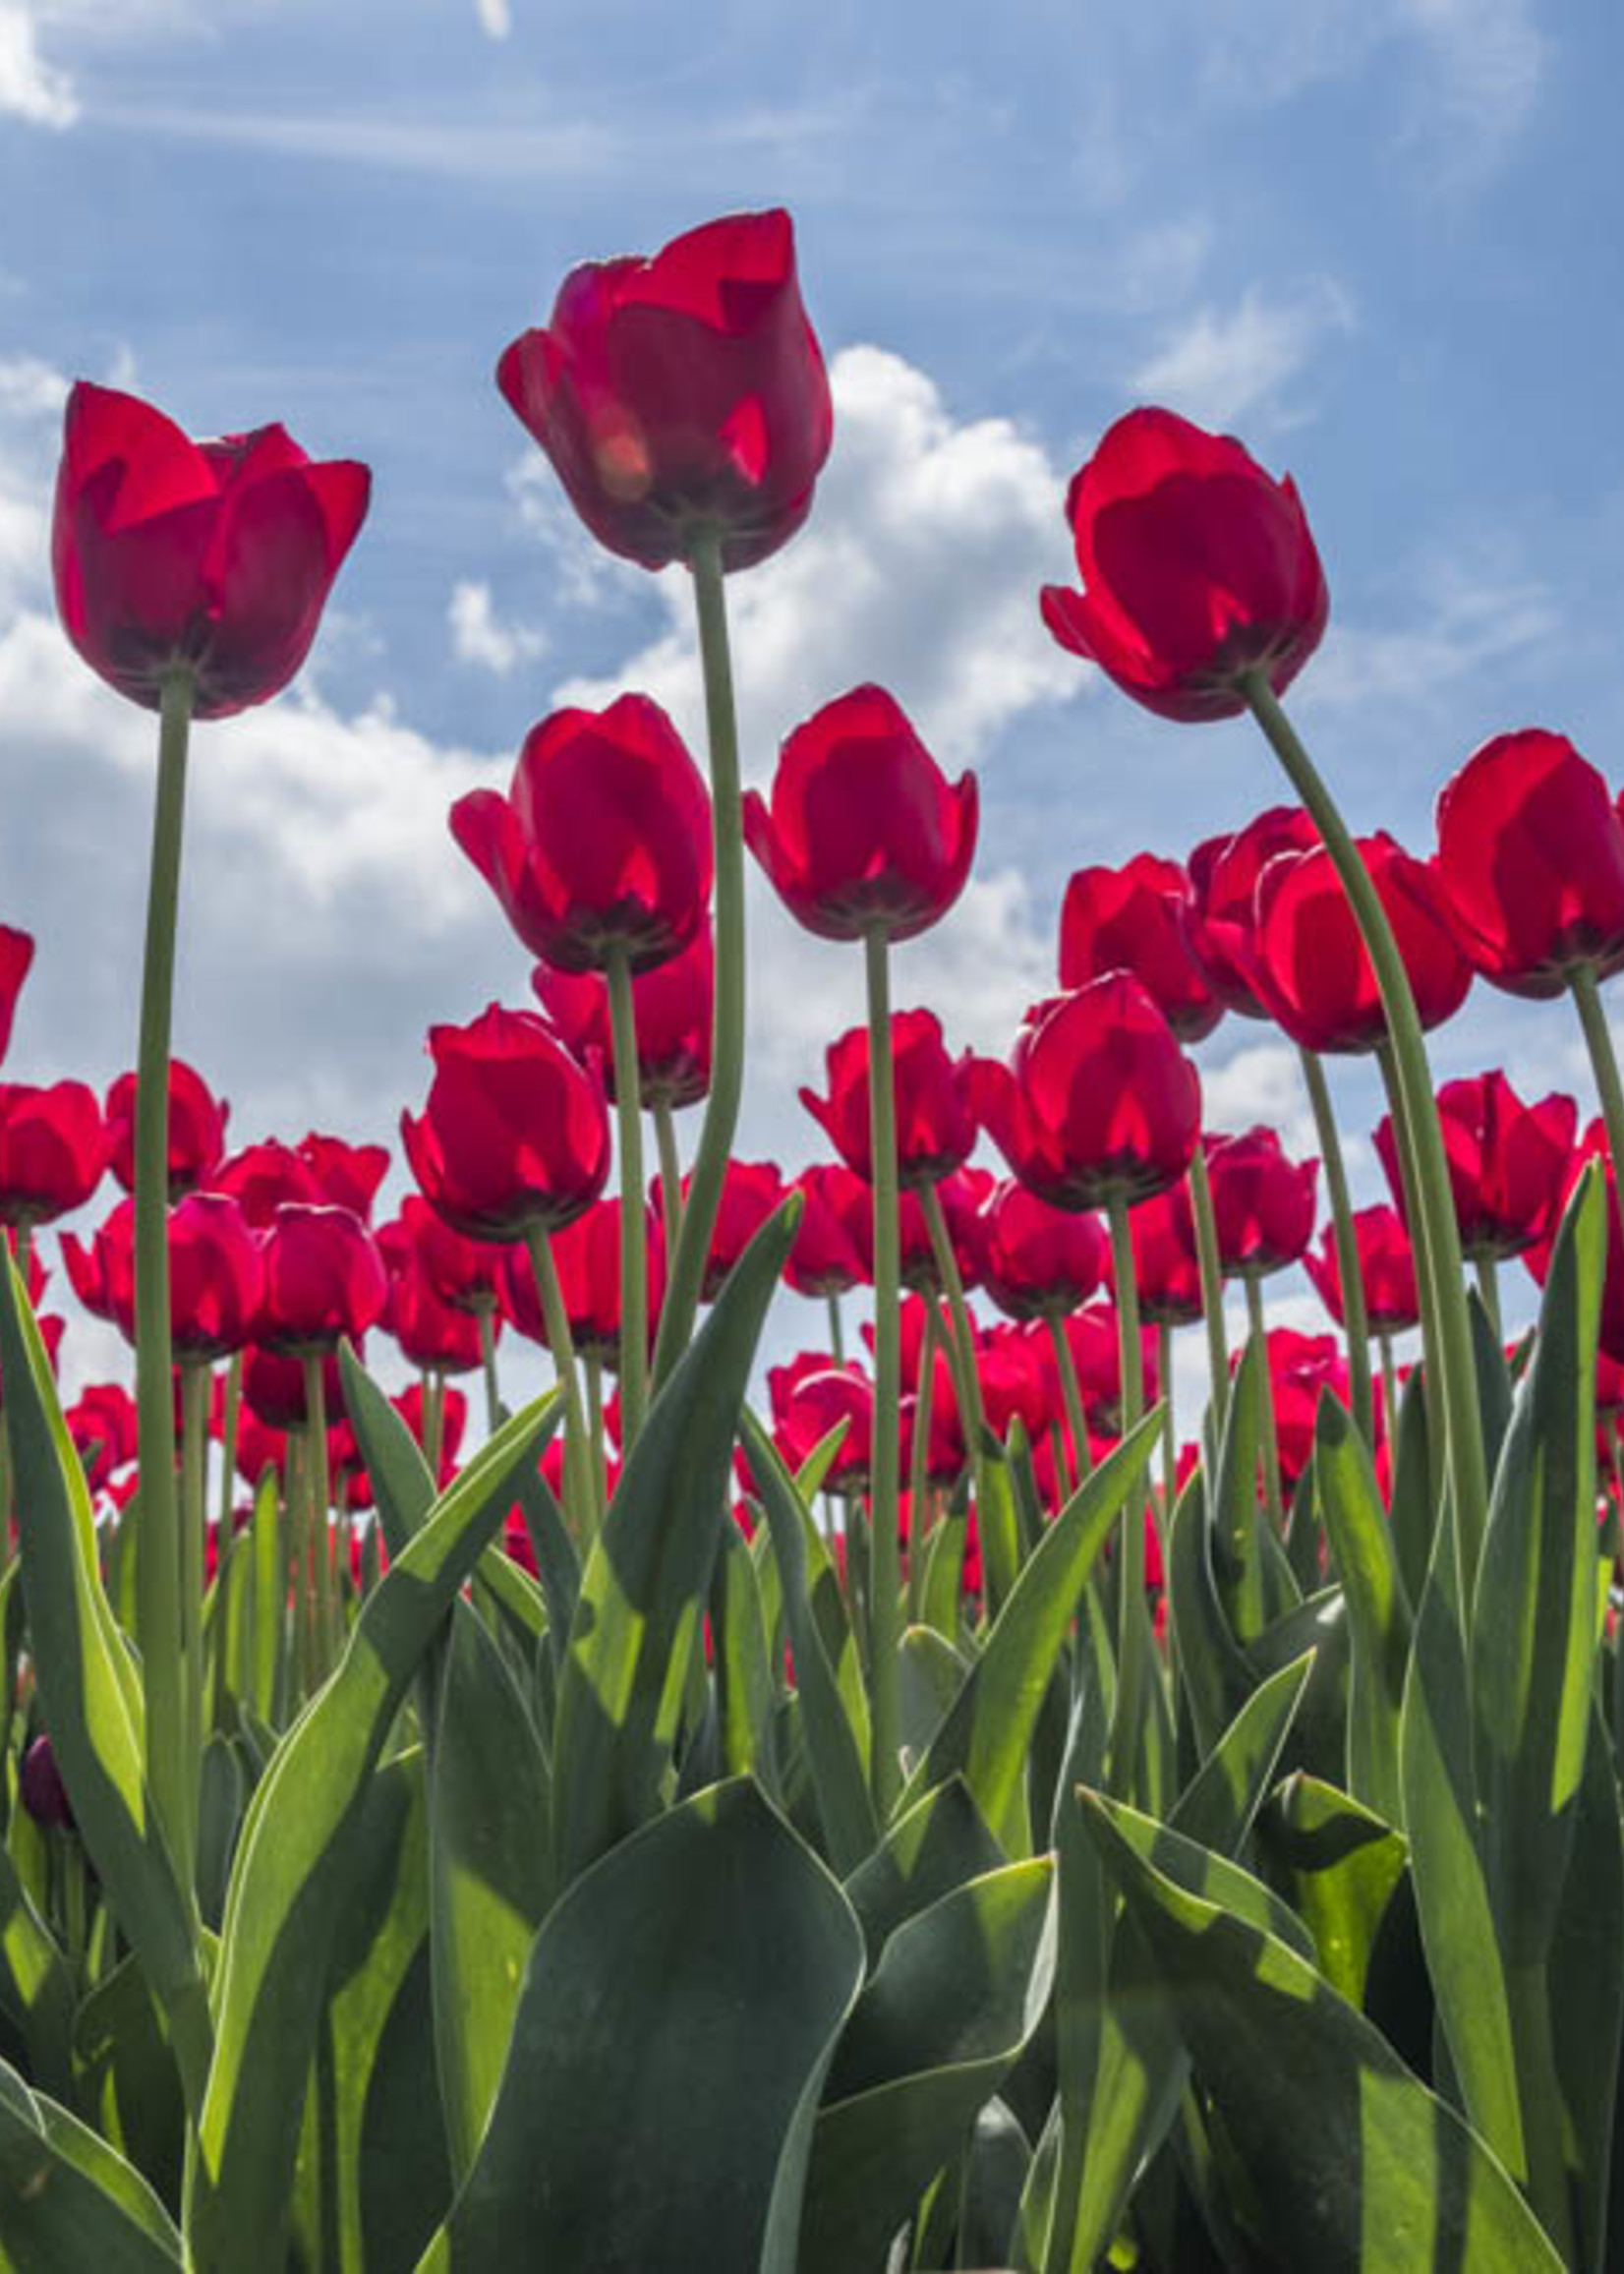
(680, 392)
(260, 1178)
(1530, 861)
(831, 1247)
(1508, 1162)
(216, 557)
(962, 1196)
(1166, 1267)
(811, 1396)
(1036, 1260)
(864, 827)
(587, 1255)
(346, 1176)
(273, 1392)
(1300, 1366)
(54, 1149)
(102, 1422)
(1096, 1350)
(1097, 1098)
(431, 1331)
(1017, 1381)
(196, 1130)
(1387, 1269)
(935, 1123)
(1223, 886)
(515, 1132)
(672, 1010)
(1309, 966)
(465, 1273)
(16, 955)
(1592, 1145)
(44, 1793)
(1137, 920)
(1262, 1204)
(604, 845)
(325, 1279)
(1196, 566)
(750, 1192)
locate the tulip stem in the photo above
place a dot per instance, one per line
(172, 1770)
(324, 1594)
(1598, 1042)
(1445, 1298)
(1271, 1438)
(836, 1333)
(1421, 1249)
(431, 1406)
(1212, 1279)
(194, 1385)
(578, 1493)
(884, 1562)
(715, 1137)
(634, 1251)
(1489, 1292)
(1356, 1325)
(919, 1461)
(1071, 1391)
(484, 1312)
(1123, 1744)
(966, 1375)
(592, 1365)
(1170, 1426)
(230, 1431)
(1389, 1392)
(671, 1173)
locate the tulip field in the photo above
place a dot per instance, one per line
(932, 1803)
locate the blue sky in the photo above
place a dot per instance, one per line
(1375, 238)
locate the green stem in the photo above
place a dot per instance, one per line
(1212, 1279)
(686, 1276)
(1123, 1745)
(1349, 1277)
(967, 1377)
(320, 1496)
(1390, 1390)
(194, 1384)
(230, 1425)
(885, 1571)
(1489, 1292)
(578, 1493)
(1422, 1249)
(671, 1173)
(484, 1312)
(919, 1460)
(1170, 1426)
(592, 1366)
(635, 1252)
(433, 1409)
(1071, 1389)
(1453, 1327)
(1604, 1066)
(172, 1770)
(836, 1332)
(1271, 1436)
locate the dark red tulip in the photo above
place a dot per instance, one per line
(1300, 1366)
(812, 1395)
(1530, 861)
(604, 845)
(587, 1255)
(515, 1133)
(431, 1331)
(1262, 1203)
(273, 1391)
(102, 1422)
(1096, 1351)
(750, 1191)
(53, 1150)
(16, 955)
(44, 1795)
(260, 1178)
(1222, 908)
(1592, 1145)
(215, 557)
(832, 1247)
(1508, 1162)
(1165, 1261)
(346, 1176)
(962, 1196)
(1017, 1383)
(1036, 1260)
(935, 1122)
(864, 827)
(1387, 1268)
(465, 1273)
(681, 392)
(672, 1010)
(216, 1277)
(1136, 919)
(196, 1130)
(1196, 566)
(325, 1279)
(1309, 964)
(1097, 1098)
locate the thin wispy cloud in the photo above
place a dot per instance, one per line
(31, 88)
(1221, 366)
(495, 18)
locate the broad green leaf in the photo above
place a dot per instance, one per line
(940, 1844)
(994, 2180)
(1534, 1627)
(1341, 1868)
(1378, 1609)
(1318, 1733)
(219, 1817)
(557, 1560)
(616, 2143)
(647, 1577)
(945, 1564)
(37, 1991)
(89, 1687)
(127, 2083)
(932, 1674)
(1494, 1381)
(1354, 2164)
(271, 1597)
(1217, 1807)
(1412, 1513)
(1586, 1975)
(68, 2200)
(998, 1525)
(1234, 1522)
(1305, 1537)
(1211, 1667)
(957, 1994)
(488, 1871)
(743, 1683)
(989, 1728)
(296, 1861)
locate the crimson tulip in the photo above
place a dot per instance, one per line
(1017, 1381)
(325, 1279)
(1262, 1203)
(212, 558)
(346, 1176)
(16, 955)
(260, 1178)
(1136, 919)
(1221, 916)
(1035, 1260)
(273, 1391)
(1592, 1145)
(935, 1122)
(680, 391)
(750, 1191)
(1196, 567)
(515, 1133)
(465, 1273)
(1097, 1099)
(864, 829)
(587, 1255)
(102, 1422)
(962, 1196)
(672, 1010)
(53, 1150)
(814, 1394)
(1508, 1163)
(1300, 1368)
(42, 1790)
(196, 1130)
(1095, 1337)
(1165, 1261)
(830, 1252)
(1386, 1266)
(431, 1332)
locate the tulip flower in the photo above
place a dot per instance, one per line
(1221, 917)
(16, 955)
(102, 1422)
(274, 1390)
(1038, 1260)
(1165, 1261)
(1508, 1163)
(262, 1177)
(1264, 1204)
(587, 1253)
(432, 1334)
(325, 1279)
(674, 1006)
(1386, 1265)
(813, 1395)
(935, 1122)
(346, 1176)
(53, 1150)
(44, 1793)
(750, 1192)
(686, 388)
(1137, 919)
(831, 1247)
(196, 1130)
(1196, 566)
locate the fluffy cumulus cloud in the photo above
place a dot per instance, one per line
(495, 18)
(29, 87)
(1221, 364)
(479, 636)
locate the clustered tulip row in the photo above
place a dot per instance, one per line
(936, 1603)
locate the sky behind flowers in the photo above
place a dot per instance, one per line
(1376, 240)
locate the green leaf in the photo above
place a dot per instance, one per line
(1217, 1807)
(68, 2201)
(1340, 1867)
(1534, 1628)
(271, 1593)
(1587, 1996)
(744, 1682)
(957, 1994)
(944, 1563)
(647, 1577)
(37, 1991)
(489, 1873)
(939, 1845)
(296, 1864)
(616, 2143)
(989, 1728)
(1234, 1519)
(932, 1674)
(1412, 1513)
(1379, 1608)
(128, 2085)
(89, 1687)
(1354, 2164)
(1211, 1665)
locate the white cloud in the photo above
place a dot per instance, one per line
(921, 567)
(495, 18)
(29, 87)
(1490, 61)
(1462, 617)
(31, 405)
(1222, 365)
(479, 636)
